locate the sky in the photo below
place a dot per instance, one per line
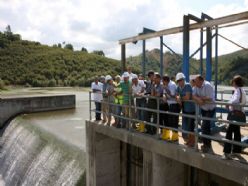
(99, 24)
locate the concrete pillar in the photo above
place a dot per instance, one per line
(147, 168)
(103, 159)
(166, 172)
(123, 165)
(134, 166)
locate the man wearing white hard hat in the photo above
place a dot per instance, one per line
(126, 90)
(109, 94)
(138, 88)
(184, 94)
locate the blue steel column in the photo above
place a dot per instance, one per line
(209, 55)
(201, 51)
(186, 47)
(161, 57)
(216, 61)
(123, 58)
(144, 58)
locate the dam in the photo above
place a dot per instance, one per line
(43, 142)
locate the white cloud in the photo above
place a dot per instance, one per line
(99, 24)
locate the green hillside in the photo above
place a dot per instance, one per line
(28, 63)
(32, 64)
(232, 64)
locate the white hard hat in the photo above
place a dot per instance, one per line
(192, 77)
(125, 74)
(108, 77)
(134, 76)
(179, 76)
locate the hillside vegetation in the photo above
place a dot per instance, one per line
(32, 64)
(28, 63)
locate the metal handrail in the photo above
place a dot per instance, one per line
(196, 116)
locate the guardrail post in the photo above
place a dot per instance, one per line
(196, 125)
(90, 105)
(157, 99)
(221, 104)
(109, 115)
(129, 112)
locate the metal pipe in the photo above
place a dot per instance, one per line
(186, 45)
(209, 55)
(216, 62)
(201, 51)
(170, 49)
(123, 58)
(144, 58)
(161, 57)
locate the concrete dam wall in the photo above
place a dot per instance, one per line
(118, 157)
(11, 107)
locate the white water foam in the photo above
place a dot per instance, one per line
(27, 159)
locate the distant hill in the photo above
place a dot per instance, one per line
(172, 62)
(228, 65)
(30, 63)
(33, 64)
(233, 64)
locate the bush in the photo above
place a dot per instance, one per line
(52, 83)
(2, 85)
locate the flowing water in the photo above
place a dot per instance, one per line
(45, 148)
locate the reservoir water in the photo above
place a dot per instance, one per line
(45, 148)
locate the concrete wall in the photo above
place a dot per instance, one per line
(103, 160)
(163, 163)
(10, 107)
(104, 156)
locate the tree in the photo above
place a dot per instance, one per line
(99, 52)
(84, 49)
(10, 36)
(8, 30)
(68, 46)
(59, 45)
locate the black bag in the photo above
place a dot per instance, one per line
(237, 115)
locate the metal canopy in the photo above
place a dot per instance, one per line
(208, 23)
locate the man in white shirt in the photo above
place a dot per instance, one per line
(203, 94)
(172, 121)
(138, 88)
(129, 70)
(96, 88)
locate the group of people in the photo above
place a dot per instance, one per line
(131, 96)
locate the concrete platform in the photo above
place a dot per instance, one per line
(236, 171)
